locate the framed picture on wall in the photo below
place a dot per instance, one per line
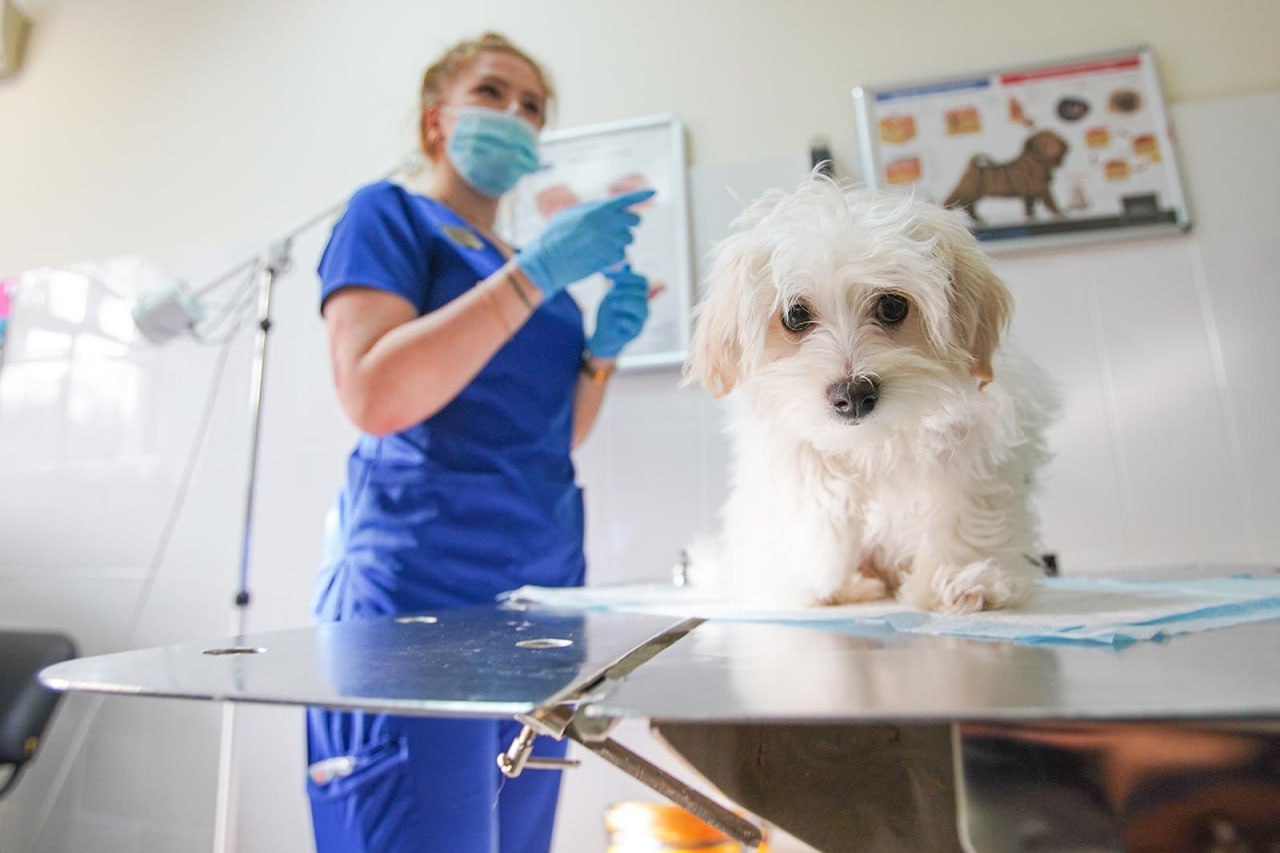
(1059, 151)
(604, 160)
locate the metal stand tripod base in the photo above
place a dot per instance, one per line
(517, 759)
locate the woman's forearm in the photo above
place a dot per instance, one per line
(415, 369)
(589, 396)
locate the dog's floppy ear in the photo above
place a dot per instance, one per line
(981, 308)
(980, 303)
(715, 355)
(726, 318)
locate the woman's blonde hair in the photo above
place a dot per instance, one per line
(453, 60)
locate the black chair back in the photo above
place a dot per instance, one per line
(25, 705)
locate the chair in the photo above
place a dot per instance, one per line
(25, 705)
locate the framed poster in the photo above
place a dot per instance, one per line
(609, 159)
(1066, 150)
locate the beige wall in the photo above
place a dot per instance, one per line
(142, 125)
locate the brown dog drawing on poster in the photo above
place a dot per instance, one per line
(1027, 177)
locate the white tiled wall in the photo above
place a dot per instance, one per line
(1165, 350)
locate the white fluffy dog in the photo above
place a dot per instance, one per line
(884, 445)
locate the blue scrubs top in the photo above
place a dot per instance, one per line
(480, 497)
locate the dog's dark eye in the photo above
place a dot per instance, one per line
(891, 308)
(798, 318)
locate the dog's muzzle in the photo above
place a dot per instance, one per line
(853, 399)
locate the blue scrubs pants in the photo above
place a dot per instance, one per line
(426, 784)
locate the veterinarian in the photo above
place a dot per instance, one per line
(464, 364)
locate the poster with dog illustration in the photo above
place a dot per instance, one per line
(1073, 149)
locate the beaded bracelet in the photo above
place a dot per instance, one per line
(515, 285)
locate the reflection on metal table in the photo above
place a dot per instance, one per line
(849, 739)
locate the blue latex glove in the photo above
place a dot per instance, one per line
(580, 241)
(621, 314)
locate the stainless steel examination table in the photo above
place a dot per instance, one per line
(850, 739)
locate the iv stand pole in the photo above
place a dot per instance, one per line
(275, 264)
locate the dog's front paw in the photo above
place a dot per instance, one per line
(981, 585)
(857, 589)
(958, 601)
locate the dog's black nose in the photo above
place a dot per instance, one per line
(854, 398)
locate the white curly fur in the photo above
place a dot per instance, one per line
(926, 497)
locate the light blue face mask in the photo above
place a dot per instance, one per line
(492, 150)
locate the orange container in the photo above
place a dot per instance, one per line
(663, 828)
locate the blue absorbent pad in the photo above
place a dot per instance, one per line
(1073, 610)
